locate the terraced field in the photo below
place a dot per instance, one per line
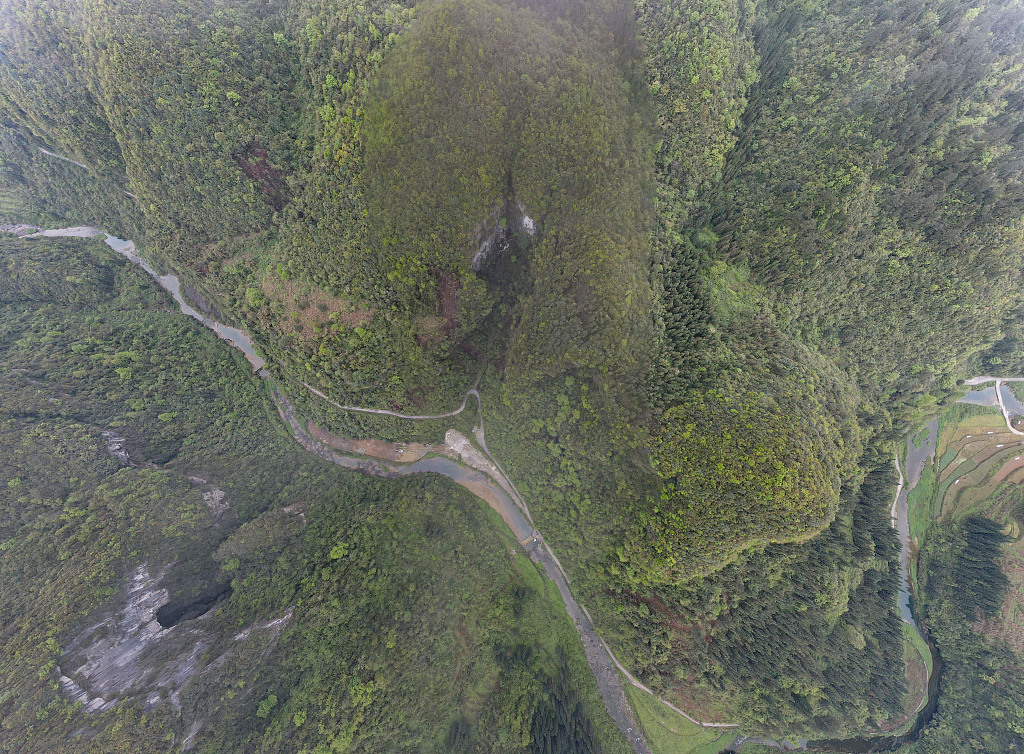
(979, 470)
(975, 457)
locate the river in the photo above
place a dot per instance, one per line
(599, 656)
(917, 459)
(997, 396)
(172, 285)
(169, 282)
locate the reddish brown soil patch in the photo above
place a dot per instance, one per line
(430, 326)
(309, 308)
(1007, 471)
(690, 698)
(472, 352)
(685, 693)
(418, 397)
(657, 605)
(253, 162)
(448, 295)
(434, 327)
(501, 362)
(403, 452)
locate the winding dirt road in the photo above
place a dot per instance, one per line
(599, 654)
(385, 412)
(599, 657)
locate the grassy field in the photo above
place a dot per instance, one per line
(552, 639)
(667, 732)
(919, 645)
(919, 669)
(919, 502)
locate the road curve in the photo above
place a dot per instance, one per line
(505, 482)
(384, 412)
(597, 650)
(78, 164)
(999, 395)
(544, 554)
(599, 655)
(973, 381)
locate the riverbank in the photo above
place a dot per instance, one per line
(481, 475)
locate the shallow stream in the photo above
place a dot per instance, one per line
(168, 282)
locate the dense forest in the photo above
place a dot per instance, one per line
(982, 700)
(705, 261)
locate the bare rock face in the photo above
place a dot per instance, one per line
(495, 234)
(214, 499)
(526, 223)
(18, 229)
(214, 496)
(489, 234)
(129, 654)
(116, 447)
(111, 660)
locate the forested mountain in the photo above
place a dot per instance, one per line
(705, 261)
(878, 187)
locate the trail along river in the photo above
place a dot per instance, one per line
(513, 512)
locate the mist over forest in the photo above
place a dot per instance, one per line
(698, 271)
